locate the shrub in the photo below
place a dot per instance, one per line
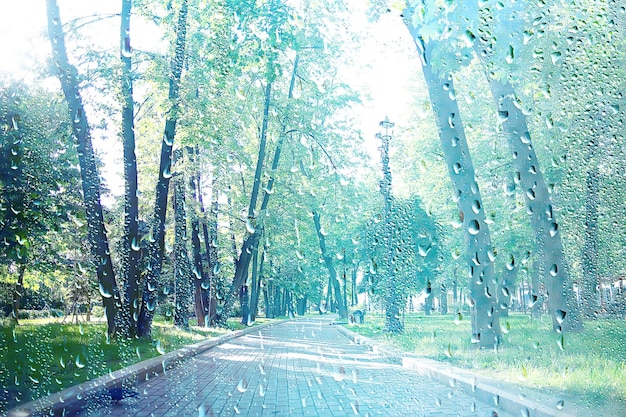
(33, 314)
(97, 311)
(166, 310)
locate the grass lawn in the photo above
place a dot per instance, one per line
(588, 368)
(43, 356)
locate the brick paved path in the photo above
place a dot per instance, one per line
(303, 368)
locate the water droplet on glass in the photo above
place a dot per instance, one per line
(423, 250)
(510, 55)
(503, 116)
(169, 141)
(242, 386)
(134, 245)
(451, 120)
(126, 49)
(458, 318)
(159, 348)
(250, 226)
(261, 390)
(373, 267)
(474, 227)
(560, 404)
(554, 270)
(340, 375)
(103, 292)
(80, 361)
(553, 229)
(167, 171)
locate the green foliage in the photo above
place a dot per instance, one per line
(586, 369)
(38, 180)
(57, 356)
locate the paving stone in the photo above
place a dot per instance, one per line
(304, 367)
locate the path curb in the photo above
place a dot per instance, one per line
(484, 389)
(72, 398)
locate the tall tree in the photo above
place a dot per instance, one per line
(330, 266)
(561, 299)
(479, 253)
(201, 280)
(182, 266)
(131, 248)
(98, 240)
(37, 161)
(253, 229)
(156, 246)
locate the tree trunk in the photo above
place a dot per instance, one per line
(277, 301)
(428, 301)
(444, 299)
(267, 293)
(182, 267)
(89, 174)
(345, 287)
(537, 292)
(156, 246)
(328, 261)
(244, 301)
(301, 305)
(591, 281)
(255, 286)
(131, 249)
(289, 303)
(201, 282)
(210, 242)
(355, 295)
(507, 285)
(329, 295)
(561, 299)
(482, 285)
(252, 240)
(18, 292)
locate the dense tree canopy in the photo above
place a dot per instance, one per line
(253, 182)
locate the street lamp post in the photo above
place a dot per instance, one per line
(392, 307)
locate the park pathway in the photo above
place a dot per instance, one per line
(305, 367)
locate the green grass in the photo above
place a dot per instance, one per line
(43, 356)
(588, 368)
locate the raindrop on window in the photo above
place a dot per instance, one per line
(474, 227)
